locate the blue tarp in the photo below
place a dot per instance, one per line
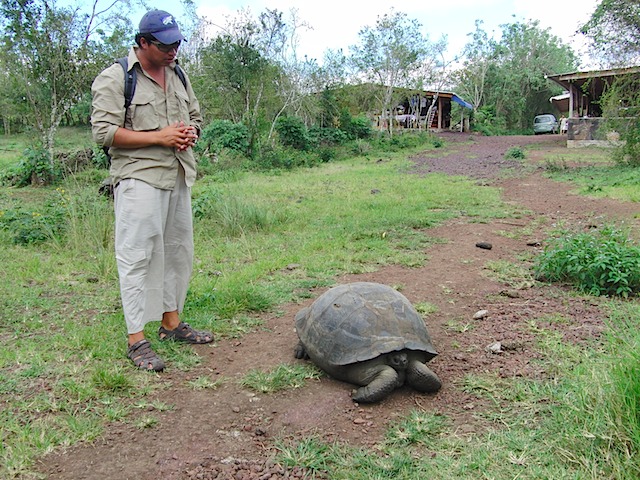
(460, 101)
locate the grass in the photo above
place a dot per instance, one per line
(282, 377)
(12, 146)
(267, 239)
(580, 423)
(61, 328)
(594, 173)
(514, 275)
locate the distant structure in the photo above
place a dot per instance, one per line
(581, 104)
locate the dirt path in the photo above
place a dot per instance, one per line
(229, 432)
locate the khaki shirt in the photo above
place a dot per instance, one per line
(152, 108)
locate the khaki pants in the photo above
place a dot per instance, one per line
(154, 249)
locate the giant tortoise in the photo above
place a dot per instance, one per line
(370, 335)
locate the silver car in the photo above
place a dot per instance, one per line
(546, 123)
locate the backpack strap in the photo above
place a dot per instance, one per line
(181, 75)
(129, 81)
(130, 78)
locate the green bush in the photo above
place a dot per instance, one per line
(361, 127)
(628, 153)
(221, 134)
(515, 153)
(327, 136)
(486, 121)
(602, 262)
(360, 147)
(277, 157)
(293, 133)
(327, 154)
(355, 127)
(35, 168)
(27, 227)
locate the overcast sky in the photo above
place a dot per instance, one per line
(335, 23)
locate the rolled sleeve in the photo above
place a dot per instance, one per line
(108, 112)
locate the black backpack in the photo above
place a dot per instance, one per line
(130, 78)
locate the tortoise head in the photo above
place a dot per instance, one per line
(398, 360)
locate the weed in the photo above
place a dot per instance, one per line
(281, 378)
(513, 275)
(460, 326)
(418, 427)
(309, 453)
(555, 165)
(425, 308)
(515, 153)
(112, 380)
(146, 421)
(600, 262)
(204, 383)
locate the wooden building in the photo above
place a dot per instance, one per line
(581, 103)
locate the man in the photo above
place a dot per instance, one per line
(152, 169)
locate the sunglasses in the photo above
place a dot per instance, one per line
(165, 48)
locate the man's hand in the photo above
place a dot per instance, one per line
(179, 136)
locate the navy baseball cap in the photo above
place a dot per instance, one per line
(162, 26)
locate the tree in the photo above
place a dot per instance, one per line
(389, 54)
(251, 73)
(614, 29)
(55, 53)
(478, 55)
(508, 77)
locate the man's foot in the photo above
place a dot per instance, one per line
(185, 333)
(143, 357)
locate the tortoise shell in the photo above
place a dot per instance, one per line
(360, 321)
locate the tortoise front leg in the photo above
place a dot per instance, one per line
(300, 352)
(385, 380)
(421, 378)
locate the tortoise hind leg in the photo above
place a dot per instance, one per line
(421, 378)
(385, 381)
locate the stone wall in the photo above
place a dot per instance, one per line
(583, 132)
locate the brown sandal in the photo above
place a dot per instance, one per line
(185, 333)
(143, 357)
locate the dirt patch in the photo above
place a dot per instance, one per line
(230, 432)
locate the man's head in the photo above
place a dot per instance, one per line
(160, 25)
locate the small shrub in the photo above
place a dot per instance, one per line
(27, 227)
(293, 133)
(399, 141)
(515, 153)
(604, 262)
(361, 147)
(277, 157)
(34, 168)
(327, 154)
(556, 165)
(355, 127)
(221, 134)
(327, 136)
